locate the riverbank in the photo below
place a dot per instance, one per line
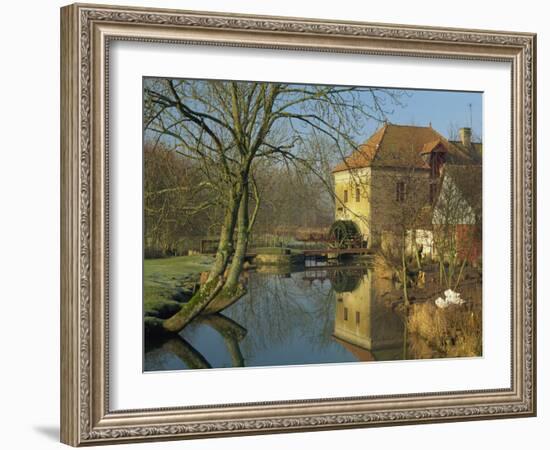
(170, 282)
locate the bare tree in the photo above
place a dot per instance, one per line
(226, 126)
(458, 208)
(175, 199)
(452, 131)
(402, 195)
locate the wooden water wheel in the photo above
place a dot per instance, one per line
(344, 234)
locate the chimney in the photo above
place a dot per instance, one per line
(465, 136)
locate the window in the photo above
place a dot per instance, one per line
(357, 194)
(345, 313)
(357, 317)
(400, 191)
(345, 196)
(436, 163)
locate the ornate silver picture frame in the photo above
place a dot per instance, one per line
(87, 32)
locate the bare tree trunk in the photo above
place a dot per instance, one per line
(193, 307)
(232, 289)
(231, 332)
(466, 256)
(404, 269)
(415, 250)
(237, 263)
(225, 246)
(213, 287)
(186, 353)
(405, 336)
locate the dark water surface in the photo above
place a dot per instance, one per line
(309, 316)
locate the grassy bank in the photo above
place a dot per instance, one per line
(170, 281)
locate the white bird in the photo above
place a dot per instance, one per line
(453, 297)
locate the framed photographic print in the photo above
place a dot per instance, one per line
(275, 224)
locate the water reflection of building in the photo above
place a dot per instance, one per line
(363, 324)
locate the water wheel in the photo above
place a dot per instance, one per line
(344, 281)
(344, 234)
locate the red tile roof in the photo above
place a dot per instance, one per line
(363, 156)
(401, 146)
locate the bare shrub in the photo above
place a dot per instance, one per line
(454, 331)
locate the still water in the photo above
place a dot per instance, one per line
(312, 315)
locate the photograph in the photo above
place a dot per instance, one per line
(294, 224)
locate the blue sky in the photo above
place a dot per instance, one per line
(440, 108)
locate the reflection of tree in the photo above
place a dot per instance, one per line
(176, 345)
(322, 316)
(270, 308)
(186, 353)
(276, 306)
(231, 332)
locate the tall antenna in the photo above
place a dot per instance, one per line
(470, 110)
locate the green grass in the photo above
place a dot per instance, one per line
(165, 277)
(177, 265)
